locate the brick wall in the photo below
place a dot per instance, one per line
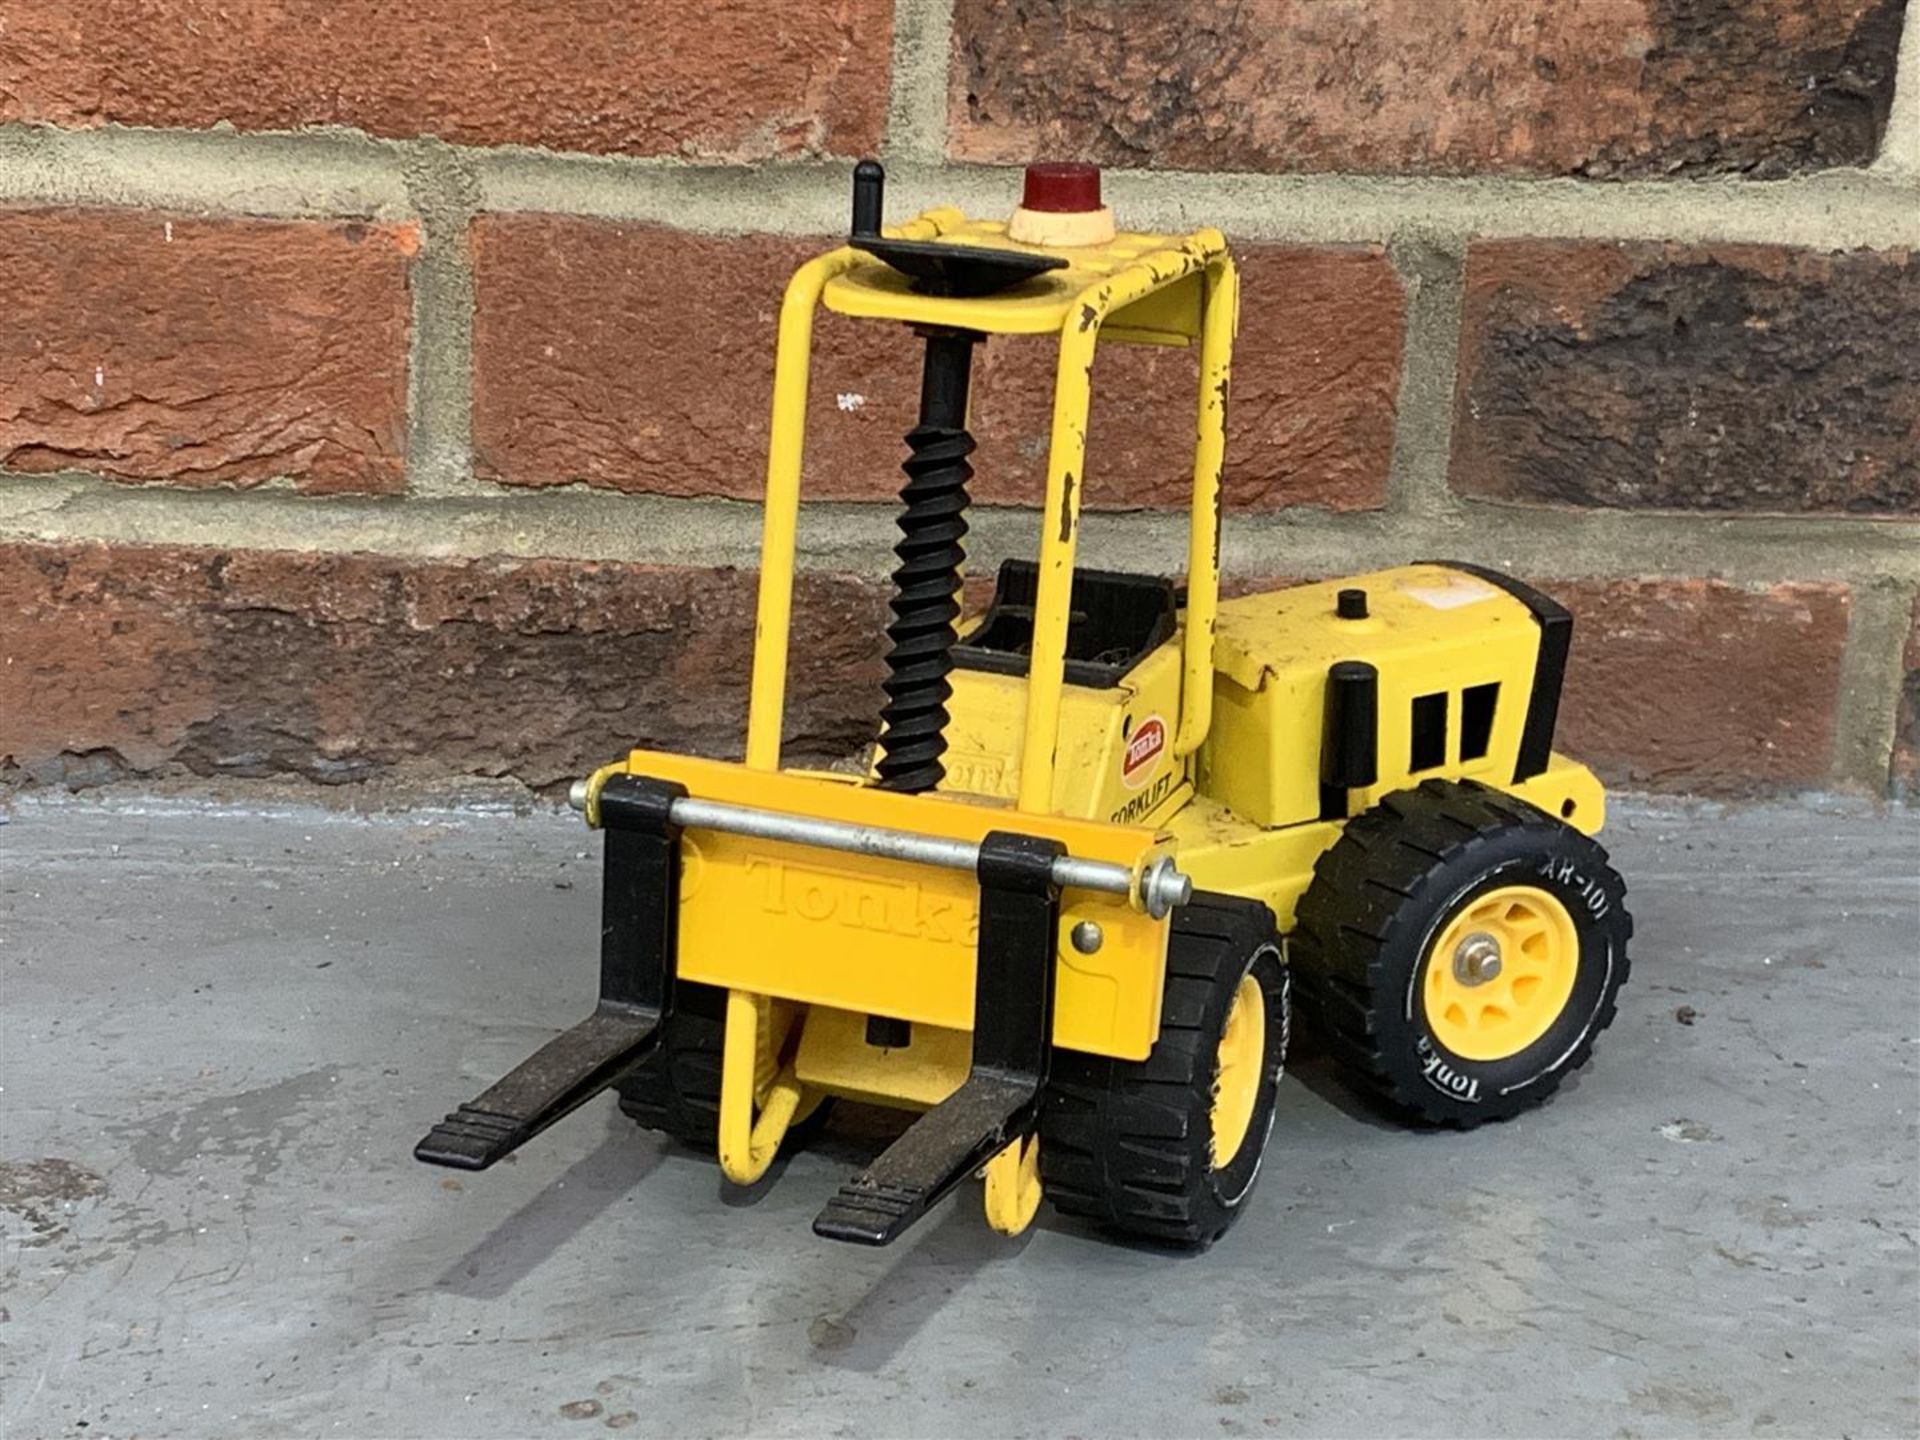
(384, 394)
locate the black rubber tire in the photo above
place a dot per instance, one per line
(1382, 893)
(676, 1090)
(1128, 1145)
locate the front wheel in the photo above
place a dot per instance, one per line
(676, 1089)
(1460, 949)
(1168, 1148)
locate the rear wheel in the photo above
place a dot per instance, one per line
(1460, 950)
(1168, 1148)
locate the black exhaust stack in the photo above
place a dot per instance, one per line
(933, 520)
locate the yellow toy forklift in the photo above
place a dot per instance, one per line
(1105, 824)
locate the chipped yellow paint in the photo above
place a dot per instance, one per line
(870, 289)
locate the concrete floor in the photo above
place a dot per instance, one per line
(223, 1033)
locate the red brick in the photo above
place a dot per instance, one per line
(1584, 87)
(1702, 687)
(1906, 734)
(724, 79)
(1735, 377)
(162, 660)
(1316, 379)
(642, 359)
(200, 352)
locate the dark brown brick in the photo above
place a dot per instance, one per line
(198, 352)
(1691, 377)
(1701, 687)
(1591, 87)
(1906, 733)
(724, 79)
(153, 661)
(642, 359)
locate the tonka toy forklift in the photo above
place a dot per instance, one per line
(1104, 823)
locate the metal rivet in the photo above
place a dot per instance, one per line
(1476, 959)
(1087, 937)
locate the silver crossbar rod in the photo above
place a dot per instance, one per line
(1162, 886)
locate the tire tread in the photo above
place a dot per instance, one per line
(1338, 949)
(1116, 1138)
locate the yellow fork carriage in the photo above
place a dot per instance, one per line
(1108, 825)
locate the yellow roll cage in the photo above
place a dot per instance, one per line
(1143, 289)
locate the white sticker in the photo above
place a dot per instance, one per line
(1450, 594)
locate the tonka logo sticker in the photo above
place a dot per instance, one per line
(1443, 1077)
(821, 896)
(1143, 752)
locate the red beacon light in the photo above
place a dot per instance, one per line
(1060, 207)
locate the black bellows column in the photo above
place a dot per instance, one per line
(926, 583)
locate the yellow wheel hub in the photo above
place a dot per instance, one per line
(1236, 1084)
(1500, 973)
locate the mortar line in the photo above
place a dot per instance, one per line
(1431, 273)
(856, 537)
(1872, 673)
(917, 98)
(442, 188)
(344, 173)
(316, 173)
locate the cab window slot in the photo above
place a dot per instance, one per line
(1429, 732)
(1477, 706)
